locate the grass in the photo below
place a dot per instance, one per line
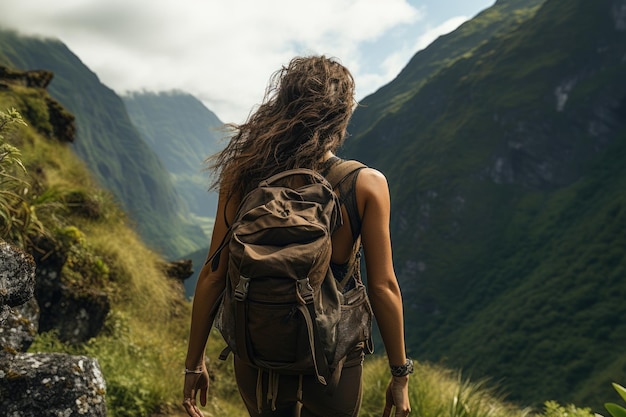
(436, 392)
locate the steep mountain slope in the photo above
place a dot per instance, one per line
(443, 52)
(110, 145)
(506, 169)
(182, 132)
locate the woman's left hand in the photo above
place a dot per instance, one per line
(397, 396)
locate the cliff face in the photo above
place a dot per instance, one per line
(109, 144)
(504, 171)
(183, 133)
(99, 293)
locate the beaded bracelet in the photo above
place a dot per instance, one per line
(193, 371)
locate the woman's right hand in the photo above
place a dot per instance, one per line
(397, 396)
(194, 383)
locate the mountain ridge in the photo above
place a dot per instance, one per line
(110, 144)
(505, 165)
(490, 144)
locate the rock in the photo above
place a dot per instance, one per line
(77, 314)
(35, 78)
(41, 384)
(179, 270)
(51, 384)
(18, 331)
(17, 276)
(62, 122)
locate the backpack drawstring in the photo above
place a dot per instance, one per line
(298, 408)
(259, 391)
(299, 392)
(272, 389)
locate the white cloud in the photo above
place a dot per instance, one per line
(221, 51)
(396, 61)
(433, 33)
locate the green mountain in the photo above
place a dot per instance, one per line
(110, 145)
(506, 167)
(182, 132)
(504, 145)
(443, 52)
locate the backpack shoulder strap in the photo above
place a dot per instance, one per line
(341, 169)
(337, 175)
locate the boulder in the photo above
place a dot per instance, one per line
(51, 384)
(17, 276)
(38, 384)
(77, 314)
(19, 329)
(179, 270)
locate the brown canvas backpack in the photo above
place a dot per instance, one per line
(282, 310)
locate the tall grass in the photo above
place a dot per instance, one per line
(436, 392)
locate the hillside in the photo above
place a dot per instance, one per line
(182, 132)
(506, 167)
(110, 145)
(443, 52)
(503, 143)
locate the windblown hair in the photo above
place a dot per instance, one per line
(304, 114)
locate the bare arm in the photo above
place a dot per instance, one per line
(383, 289)
(209, 288)
(206, 298)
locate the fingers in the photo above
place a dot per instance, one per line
(388, 402)
(402, 413)
(203, 392)
(193, 383)
(191, 408)
(397, 395)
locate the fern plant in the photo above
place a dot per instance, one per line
(14, 211)
(19, 205)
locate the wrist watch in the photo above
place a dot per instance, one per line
(402, 370)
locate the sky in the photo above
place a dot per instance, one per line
(224, 51)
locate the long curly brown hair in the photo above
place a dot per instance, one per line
(304, 114)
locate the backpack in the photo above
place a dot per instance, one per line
(282, 310)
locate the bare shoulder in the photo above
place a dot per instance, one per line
(372, 191)
(371, 180)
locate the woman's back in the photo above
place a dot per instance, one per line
(301, 122)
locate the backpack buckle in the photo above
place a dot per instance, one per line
(304, 291)
(241, 291)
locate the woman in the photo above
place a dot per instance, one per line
(301, 123)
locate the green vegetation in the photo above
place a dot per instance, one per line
(182, 132)
(106, 141)
(141, 348)
(614, 409)
(508, 208)
(508, 218)
(15, 214)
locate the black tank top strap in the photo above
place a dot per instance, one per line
(348, 198)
